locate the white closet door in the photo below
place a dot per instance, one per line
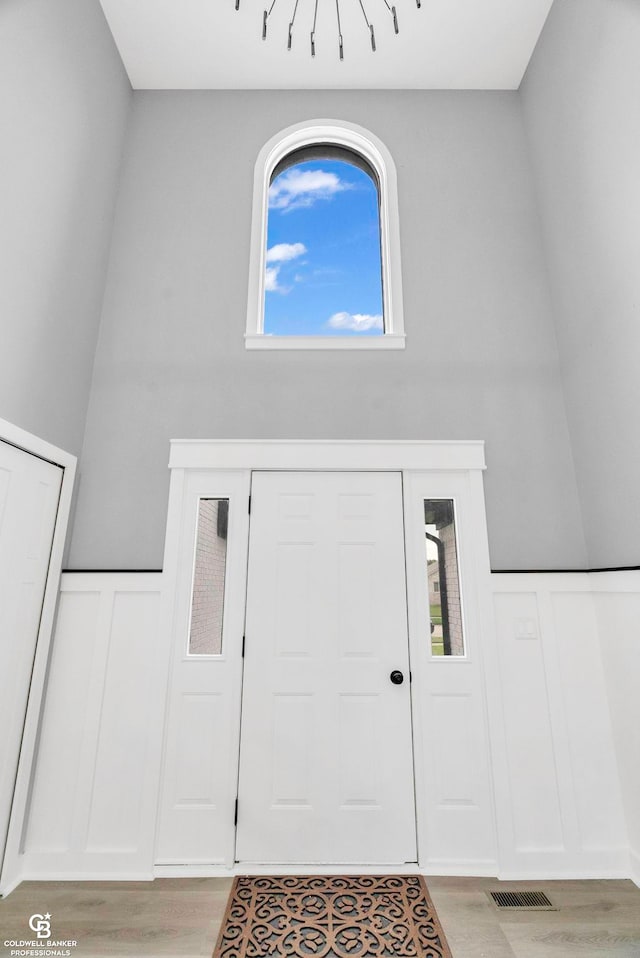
(29, 495)
(326, 764)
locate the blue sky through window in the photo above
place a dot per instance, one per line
(323, 273)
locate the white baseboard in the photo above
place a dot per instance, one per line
(250, 868)
(467, 869)
(457, 869)
(41, 876)
(6, 890)
(460, 869)
(553, 864)
(192, 871)
(563, 874)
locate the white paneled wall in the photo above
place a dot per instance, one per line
(560, 812)
(563, 739)
(617, 602)
(93, 802)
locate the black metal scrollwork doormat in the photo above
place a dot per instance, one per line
(330, 916)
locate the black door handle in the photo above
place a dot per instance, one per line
(397, 677)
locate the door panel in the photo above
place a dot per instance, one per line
(326, 768)
(29, 495)
(196, 815)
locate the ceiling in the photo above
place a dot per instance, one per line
(207, 44)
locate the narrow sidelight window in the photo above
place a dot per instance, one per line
(207, 594)
(443, 577)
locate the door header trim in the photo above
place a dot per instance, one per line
(326, 454)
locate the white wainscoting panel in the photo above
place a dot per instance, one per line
(617, 602)
(536, 810)
(93, 803)
(566, 815)
(561, 669)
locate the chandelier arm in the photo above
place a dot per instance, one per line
(364, 12)
(369, 25)
(265, 17)
(341, 48)
(392, 11)
(267, 13)
(313, 31)
(291, 23)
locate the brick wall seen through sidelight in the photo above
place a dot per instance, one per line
(447, 535)
(207, 601)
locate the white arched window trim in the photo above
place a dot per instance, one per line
(361, 141)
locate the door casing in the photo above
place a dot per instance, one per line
(214, 468)
(10, 867)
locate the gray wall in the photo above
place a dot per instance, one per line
(481, 358)
(581, 99)
(64, 100)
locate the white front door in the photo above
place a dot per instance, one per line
(29, 495)
(326, 763)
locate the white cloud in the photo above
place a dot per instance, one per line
(282, 252)
(299, 188)
(355, 321)
(279, 254)
(271, 279)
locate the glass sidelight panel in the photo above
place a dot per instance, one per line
(207, 595)
(443, 579)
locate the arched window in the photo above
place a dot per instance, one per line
(325, 257)
(323, 275)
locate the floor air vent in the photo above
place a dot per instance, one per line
(521, 899)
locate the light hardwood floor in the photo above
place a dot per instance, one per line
(180, 918)
(595, 919)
